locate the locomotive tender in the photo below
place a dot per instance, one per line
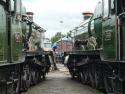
(22, 60)
(98, 57)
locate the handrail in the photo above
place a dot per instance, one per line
(26, 19)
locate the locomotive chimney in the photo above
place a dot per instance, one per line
(30, 15)
(86, 15)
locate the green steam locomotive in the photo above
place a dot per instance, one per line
(98, 56)
(22, 60)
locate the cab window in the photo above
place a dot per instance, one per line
(98, 10)
(18, 6)
(123, 5)
(120, 6)
(106, 8)
(12, 5)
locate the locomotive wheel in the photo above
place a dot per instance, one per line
(83, 77)
(108, 77)
(91, 78)
(108, 85)
(10, 89)
(16, 87)
(44, 76)
(35, 77)
(72, 75)
(119, 86)
(97, 80)
(13, 85)
(13, 88)
(26, 78)
(3, 89)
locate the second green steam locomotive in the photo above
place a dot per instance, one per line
(98, 57)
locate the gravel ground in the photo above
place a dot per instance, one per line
(59, 82)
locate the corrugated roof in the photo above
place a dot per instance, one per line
(65, 39)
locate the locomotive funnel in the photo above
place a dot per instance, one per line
(86, 15)
(30, 15)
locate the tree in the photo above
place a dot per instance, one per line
(68, 34)
(56, 37)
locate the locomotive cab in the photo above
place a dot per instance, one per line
(121, 28)
(113, 25)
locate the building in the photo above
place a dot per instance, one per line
(47, 44)
(63, 45)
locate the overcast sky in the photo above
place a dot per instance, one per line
(49, 13)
